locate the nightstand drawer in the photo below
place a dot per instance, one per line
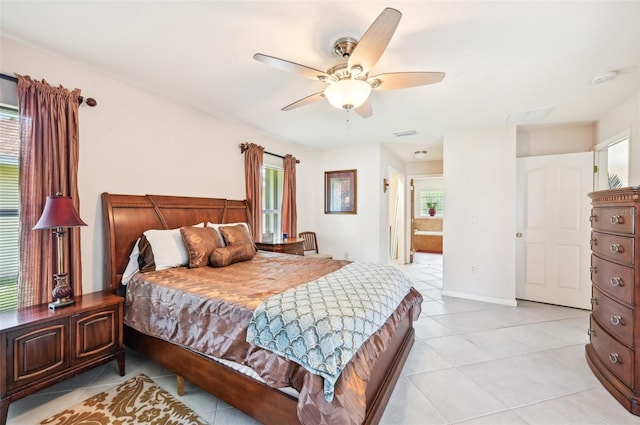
(95, 334)
(36, 353)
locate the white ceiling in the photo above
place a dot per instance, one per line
(500, 57)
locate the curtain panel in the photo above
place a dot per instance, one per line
(253, 159)
(49, 151)
(289, 211)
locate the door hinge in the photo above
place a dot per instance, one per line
(595, 169)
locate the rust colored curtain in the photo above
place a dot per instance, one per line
(48, 164)
(289, 211)
(253, 158)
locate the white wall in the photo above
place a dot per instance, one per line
(539, 140)
(136, 142)
(351, 236)
(478, 235)
(624, 116)
(424, 168)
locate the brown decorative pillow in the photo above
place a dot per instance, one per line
(222, 257)
(146, 260)
(238, 234)
(200, 241)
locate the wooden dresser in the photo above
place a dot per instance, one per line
(614, 349)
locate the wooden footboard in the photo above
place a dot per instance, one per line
(263, 403)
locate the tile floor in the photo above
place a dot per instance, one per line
(472, 363)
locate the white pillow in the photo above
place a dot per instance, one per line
(217, 226)
(168, 248)
(132, 266)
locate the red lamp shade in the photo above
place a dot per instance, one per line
(59, 212)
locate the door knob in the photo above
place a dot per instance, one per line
(518, 235)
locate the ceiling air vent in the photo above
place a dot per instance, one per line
(405, 133)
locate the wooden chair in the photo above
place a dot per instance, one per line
(311, 245)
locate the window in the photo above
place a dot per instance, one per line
(9, 207)
(618, 164)
(272, 182)
(429, 197)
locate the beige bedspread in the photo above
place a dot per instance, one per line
(208, 309)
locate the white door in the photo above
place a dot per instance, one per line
(553, 230)
(396, 218)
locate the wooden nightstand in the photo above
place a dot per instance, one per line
(40, 347)
(288, 246)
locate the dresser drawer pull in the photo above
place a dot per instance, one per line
(616, 219)
(616, 247)
(616, 320)
(614, 357)
(616, 281)
(593, 218)
(594, 301)
(593, 242)
(593, 269)
(591, 331)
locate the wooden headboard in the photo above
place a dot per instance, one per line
(125, 217)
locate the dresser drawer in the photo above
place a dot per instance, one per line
(614, 355)
(613, 279)
(616, 248)
(613, 316)
(608, 219)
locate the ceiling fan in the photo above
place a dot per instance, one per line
(349, 84)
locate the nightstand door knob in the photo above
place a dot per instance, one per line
(616, 320)
(614, 357)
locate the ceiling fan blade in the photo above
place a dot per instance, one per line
(375, 40)
(285, 65)
(365, 110)
(401, 80)
(304, 101)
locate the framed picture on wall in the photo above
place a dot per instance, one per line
(340, 192)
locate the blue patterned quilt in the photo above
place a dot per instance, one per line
(322, 324)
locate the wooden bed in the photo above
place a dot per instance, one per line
(126, 217)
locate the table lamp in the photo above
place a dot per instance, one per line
(58, 214)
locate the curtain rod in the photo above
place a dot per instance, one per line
(88, 100)
(245, 146)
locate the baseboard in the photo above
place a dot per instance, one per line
(474, 297)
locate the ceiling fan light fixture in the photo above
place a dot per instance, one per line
(347, 94)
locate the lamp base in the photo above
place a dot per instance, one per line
(61, 303)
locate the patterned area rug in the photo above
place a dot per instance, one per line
(136, 401)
